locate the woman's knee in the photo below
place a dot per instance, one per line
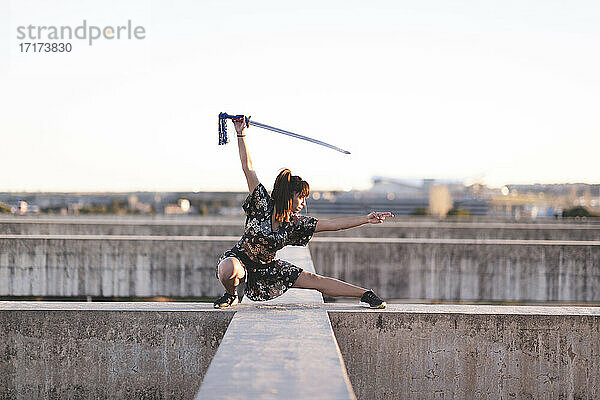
(308, 280)
(231, 268)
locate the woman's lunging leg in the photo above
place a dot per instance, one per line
(328, 286)
(231, 272)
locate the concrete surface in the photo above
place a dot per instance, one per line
(471, 352)
(464, 269)
(283, 349)
(202, 226)
(106, 350)
(129, 226)
(183, 266)
(279, 349)
(110, 266)
(473, 230)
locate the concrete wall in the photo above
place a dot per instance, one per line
(401, 268)
(111, 267)
(399, 355)
(283, 348)
(464, 270)
(459, 230)
(234, 227)
(95, 354)
(224, 227)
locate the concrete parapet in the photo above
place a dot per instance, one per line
(110, 266)
(285, 349)
(463, 269)
(129, 226)
(234, 227)
(473, 230)
(106, 350)
(471, 352)
(279, 349)
(183, 266)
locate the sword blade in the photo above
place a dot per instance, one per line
(292, 134)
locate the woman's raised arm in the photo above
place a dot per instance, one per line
(251, 178)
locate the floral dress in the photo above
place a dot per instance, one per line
(267, 277)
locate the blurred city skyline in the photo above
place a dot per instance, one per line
(495, 93)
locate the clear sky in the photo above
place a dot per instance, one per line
(497, 91)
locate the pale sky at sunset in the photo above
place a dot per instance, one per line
(502, 91)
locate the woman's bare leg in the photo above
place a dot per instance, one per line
(231, 271)
(328, 286)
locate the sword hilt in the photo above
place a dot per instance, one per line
(223, 117)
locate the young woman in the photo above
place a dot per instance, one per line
(271, 224)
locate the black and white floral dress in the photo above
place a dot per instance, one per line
(267, 277)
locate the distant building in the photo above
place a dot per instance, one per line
(401, 197)
(182, 207)
(22, 207)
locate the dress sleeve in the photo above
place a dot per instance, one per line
(257, 202)
(302, 231)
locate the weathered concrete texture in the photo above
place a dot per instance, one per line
(182, 266)
(234, 227)
(110, 266)
(280, 349)
(130, 226)
(465, 270)
(473, 230)
(90, 353)
(470, 355)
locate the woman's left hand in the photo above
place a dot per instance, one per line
(378, 217)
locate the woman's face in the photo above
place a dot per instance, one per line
(297, 203)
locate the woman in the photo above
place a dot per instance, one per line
(271, 224)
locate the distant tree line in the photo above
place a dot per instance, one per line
(580, 212)
(121, 206)
(117, 206)
(214, 206)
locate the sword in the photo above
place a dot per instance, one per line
(223, 139)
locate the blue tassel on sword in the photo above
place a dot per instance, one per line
(223, 139)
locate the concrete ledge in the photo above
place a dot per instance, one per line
(110, 266)
(233, 227)
(499, 242)
(106, 350)
(471, 352)
(280, 349)
(286, 349)
(465, 269)
(140, 238)
(474, 230)
(183, 266)
(127, 226)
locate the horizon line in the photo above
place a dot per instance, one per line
(133, 190)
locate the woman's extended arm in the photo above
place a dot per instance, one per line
(338, 224)
(251, 178)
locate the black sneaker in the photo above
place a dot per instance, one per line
(227, 300)
(371, 300)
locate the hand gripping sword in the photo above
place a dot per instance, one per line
(223, 139)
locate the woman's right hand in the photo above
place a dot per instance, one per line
(240, 125)
(378, 217)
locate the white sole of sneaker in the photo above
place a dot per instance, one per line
(367, 305)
